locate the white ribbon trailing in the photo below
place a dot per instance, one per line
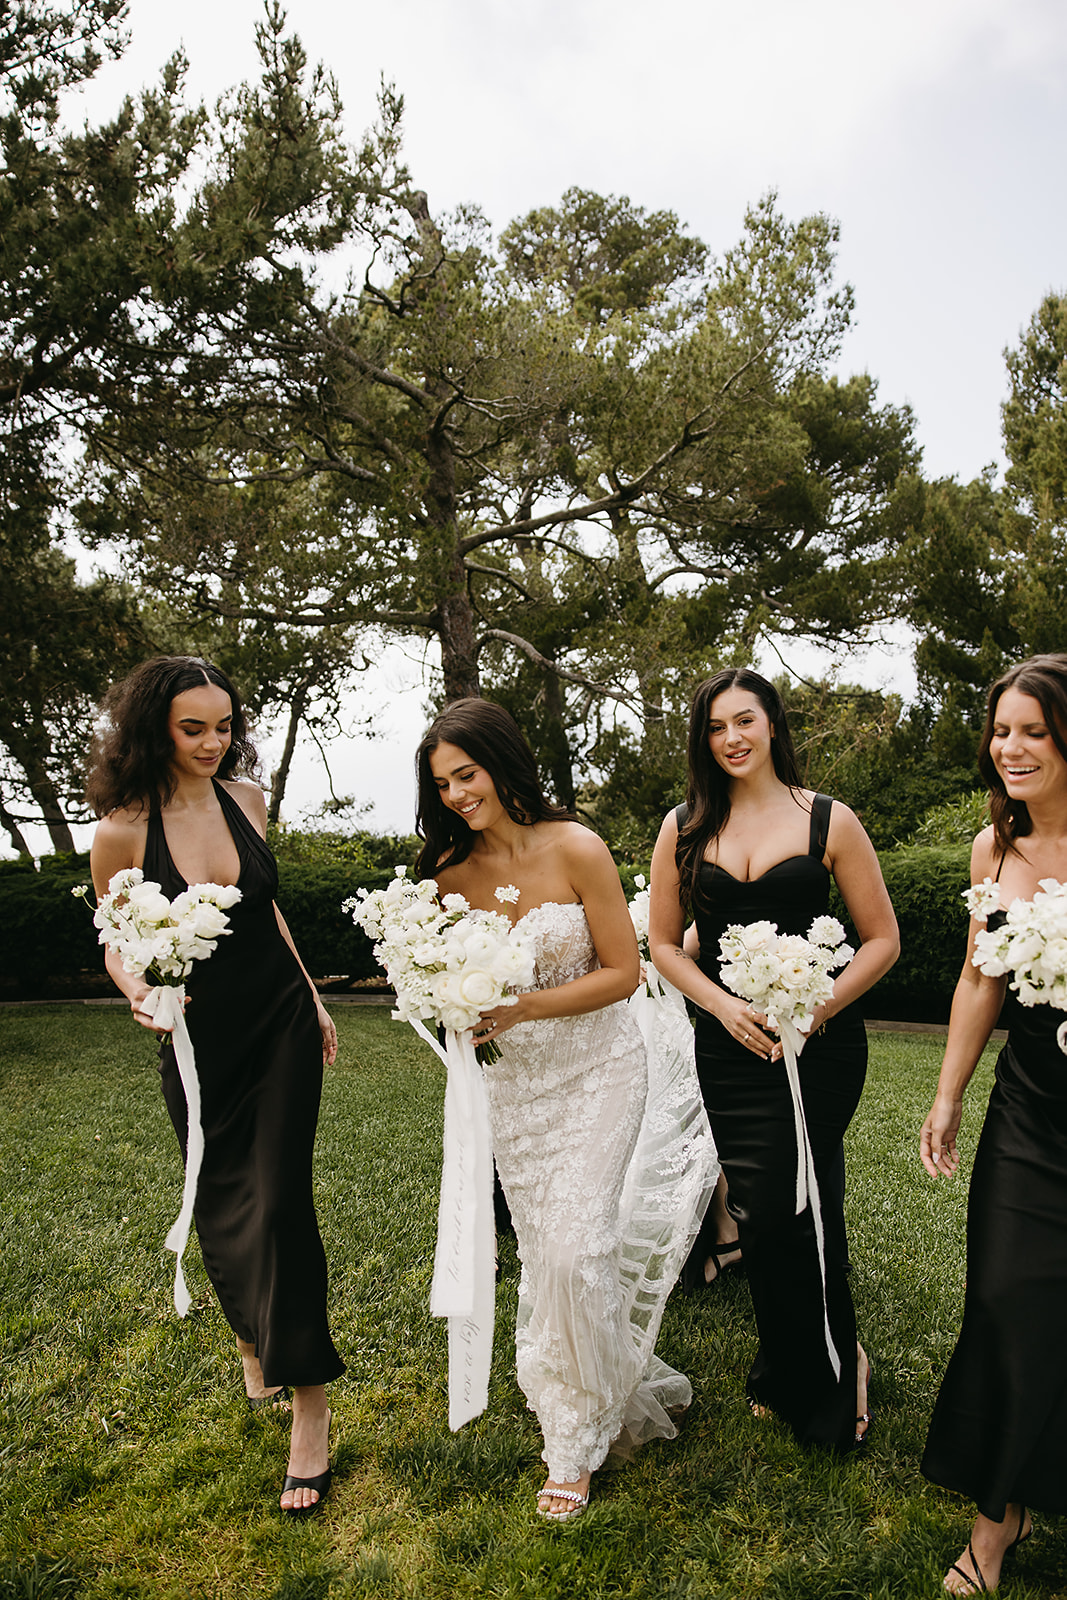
(464, 1272)
(793, 1042)
(166, 1005)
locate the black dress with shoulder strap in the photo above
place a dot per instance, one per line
(999, 1429)
(252, 1021)
(751, 1114)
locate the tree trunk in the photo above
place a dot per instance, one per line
(29, 748)
(459, 655)
(14, 832)
(455, 615)
(280, 776)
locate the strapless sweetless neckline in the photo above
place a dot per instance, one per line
(549, 905)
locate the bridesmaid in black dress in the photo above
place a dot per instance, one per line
(164, 785)
(751, 844)
(1000, 1422)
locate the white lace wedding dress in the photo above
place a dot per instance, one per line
(607, 1167)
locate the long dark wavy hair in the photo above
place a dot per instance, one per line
(129, 765)
(707, 794)
(490, 736)
(1044, 677)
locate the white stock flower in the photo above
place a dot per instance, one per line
(826, 930)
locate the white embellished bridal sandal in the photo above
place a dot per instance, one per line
(550, 1492)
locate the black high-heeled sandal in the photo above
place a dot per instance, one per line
(280, 1398)
(694, 1273)
(977, 1584)
(321, 1486)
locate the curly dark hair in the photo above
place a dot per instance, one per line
(129, 765)
(707, 794)
(1045, 678)
(491, 737)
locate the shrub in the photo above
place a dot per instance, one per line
(48, 943)
(925, 886)
(956, 822)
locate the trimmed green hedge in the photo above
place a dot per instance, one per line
(49, 947)
(926, 887)
(48, 944)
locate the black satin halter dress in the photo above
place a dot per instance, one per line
(999, 1429)
(252, 1021)
(751, 1114)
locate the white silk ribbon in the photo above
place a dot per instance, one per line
(166, 1005)
(793, 1042)
(464, 1272)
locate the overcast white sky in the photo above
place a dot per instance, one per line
(935, 131)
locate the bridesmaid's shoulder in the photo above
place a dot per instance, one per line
(250, 798)
(127, 824)
(119, 841)
(579, 845)
(985, 857)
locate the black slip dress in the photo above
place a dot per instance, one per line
(751, 1114)
(252, 1021)
(1000, 1423)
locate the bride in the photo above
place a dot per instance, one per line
(566, 1102)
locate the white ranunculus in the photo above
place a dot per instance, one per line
(478, 988)
(480, 945)
(513, 966)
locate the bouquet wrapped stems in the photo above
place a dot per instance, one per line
(159, 938)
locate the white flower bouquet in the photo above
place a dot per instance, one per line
(638, 908)
(785, 975)
(1030, 944)
(160, 939)
(446, 962)
(157, 937)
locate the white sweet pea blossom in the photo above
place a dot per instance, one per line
(157, 937)
(983, 898)
(786, 976)
(1030, 946)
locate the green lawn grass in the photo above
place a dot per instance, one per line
(131, 1466)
